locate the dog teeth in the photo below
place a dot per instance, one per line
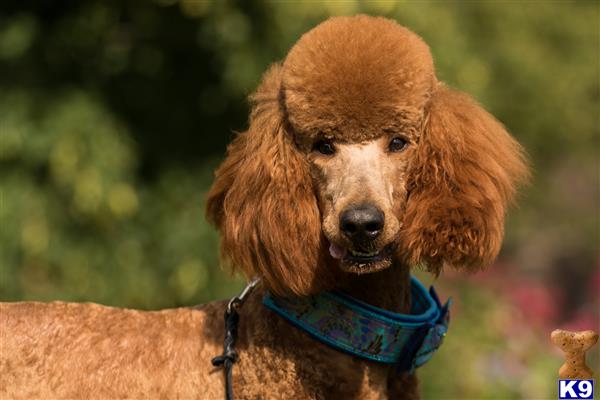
(360, 254)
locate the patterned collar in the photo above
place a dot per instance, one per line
(350, 325)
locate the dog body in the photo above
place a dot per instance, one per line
(69, 350)
(357, 166)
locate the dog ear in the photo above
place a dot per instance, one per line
(263, 203)
(465, 174)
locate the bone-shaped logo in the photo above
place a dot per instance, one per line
(574, 345)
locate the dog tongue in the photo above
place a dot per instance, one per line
(336, 251)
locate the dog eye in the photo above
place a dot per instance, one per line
(324, 147)
(397, 144)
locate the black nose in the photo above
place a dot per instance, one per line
(362, 223)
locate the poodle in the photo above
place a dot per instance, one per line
(358, 165)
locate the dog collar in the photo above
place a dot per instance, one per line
(355, 327)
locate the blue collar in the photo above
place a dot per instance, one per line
(350, 325)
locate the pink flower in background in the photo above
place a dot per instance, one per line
(583, 320)
(538, 303)
(586, 316)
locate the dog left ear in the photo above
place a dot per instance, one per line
(465, 174)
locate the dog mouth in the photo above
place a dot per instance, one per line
(361, 262)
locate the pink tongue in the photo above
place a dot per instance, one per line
(336, 251)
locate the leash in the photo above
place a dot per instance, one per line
(229, 356)
(344, 323)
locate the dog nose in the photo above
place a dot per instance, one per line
(362, 223)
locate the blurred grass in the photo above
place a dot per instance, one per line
(113, 116)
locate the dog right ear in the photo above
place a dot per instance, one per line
(263, 203)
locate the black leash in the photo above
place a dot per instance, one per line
(229, 356)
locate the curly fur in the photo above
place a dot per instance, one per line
(465, 174)
(272, 230)
(353, 79)
(358, 82)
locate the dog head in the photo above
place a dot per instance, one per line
(357, 157)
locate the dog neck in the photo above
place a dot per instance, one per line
(388, 289)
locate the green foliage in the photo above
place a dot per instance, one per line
(113, 116)
(78, 225)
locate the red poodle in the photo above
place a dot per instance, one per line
(357, 166)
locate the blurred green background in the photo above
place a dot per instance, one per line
(113, 116)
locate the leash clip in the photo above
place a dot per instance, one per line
(236, 302)
(229, 356)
